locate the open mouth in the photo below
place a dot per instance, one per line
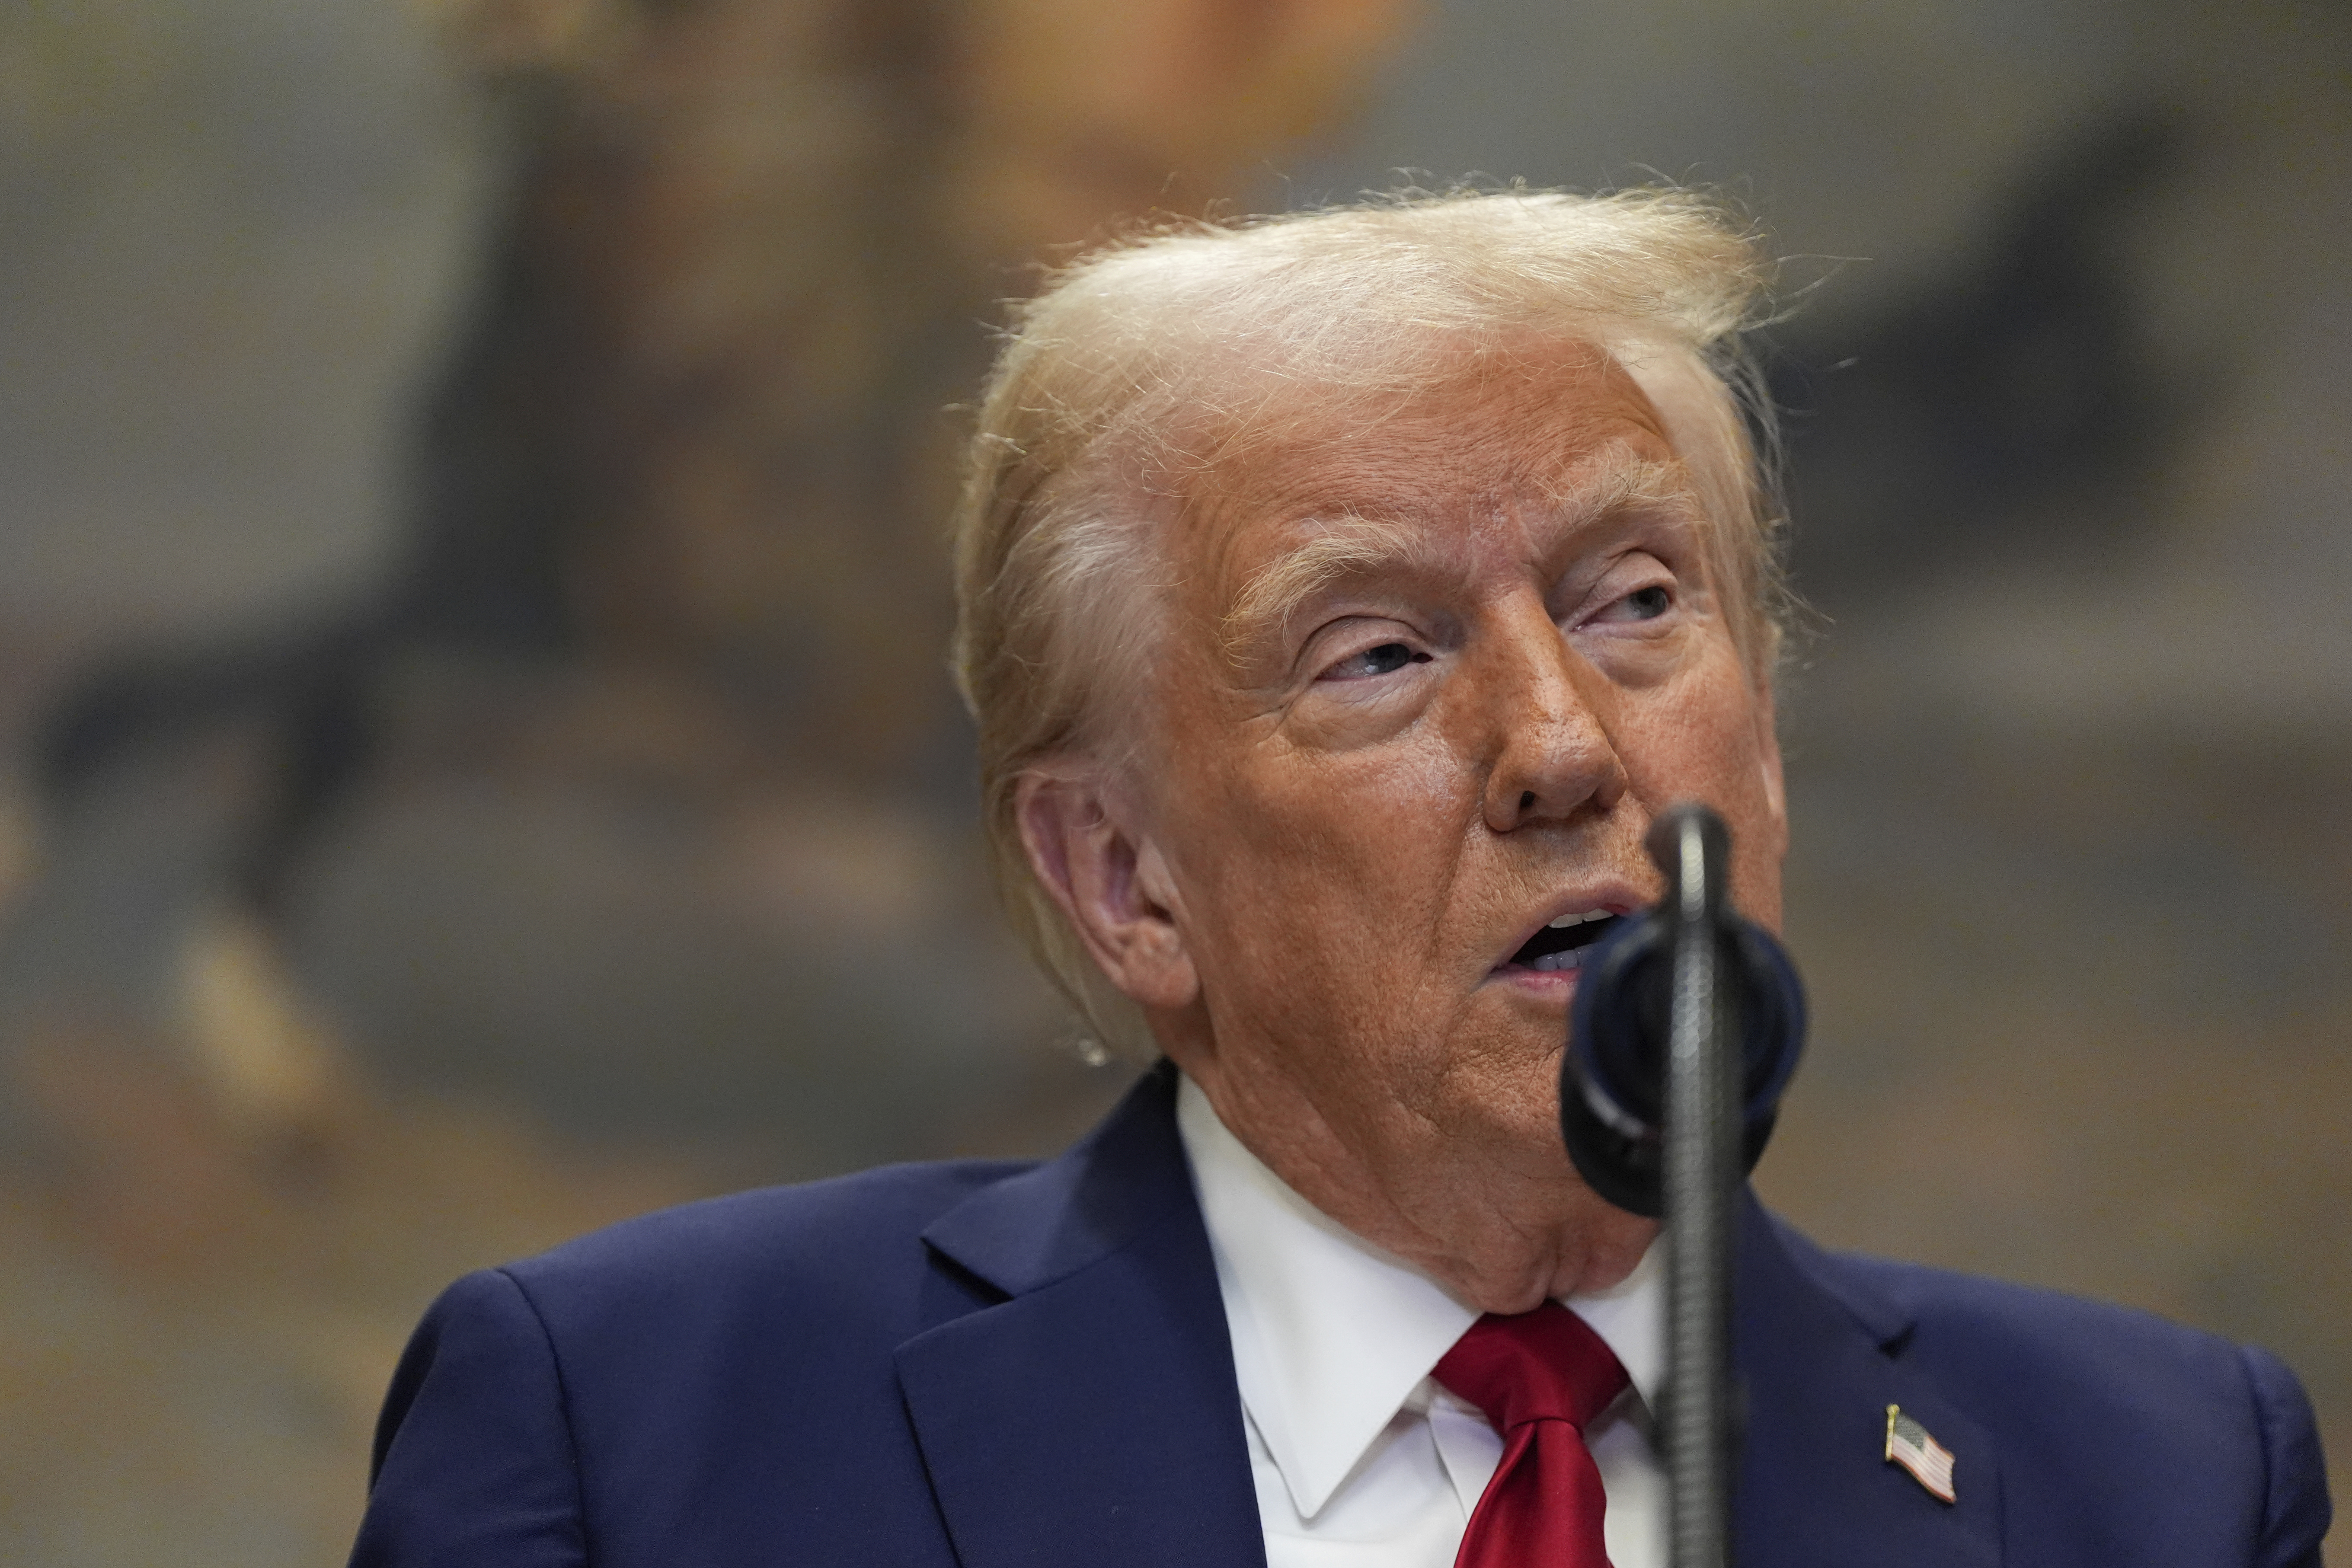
(1561, 944)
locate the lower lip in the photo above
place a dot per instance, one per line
(1538, 985)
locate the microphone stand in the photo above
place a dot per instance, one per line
(1702, 1168)
(1686, 1024)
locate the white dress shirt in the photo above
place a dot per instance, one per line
(1360, 1459)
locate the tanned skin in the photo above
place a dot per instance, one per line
(1356, 804)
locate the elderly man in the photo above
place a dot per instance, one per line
(1342, 595)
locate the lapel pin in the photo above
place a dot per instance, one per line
(1910, 1446)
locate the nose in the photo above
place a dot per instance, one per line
(1545, 715)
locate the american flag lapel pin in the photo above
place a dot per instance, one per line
(1910, 1446)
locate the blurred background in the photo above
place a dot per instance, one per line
(475, 754)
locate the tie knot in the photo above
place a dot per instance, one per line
(1547, 1364)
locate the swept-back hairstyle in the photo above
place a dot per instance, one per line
(1123, 385)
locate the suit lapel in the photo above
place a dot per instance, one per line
(1821, 1364)
(1091, 1416)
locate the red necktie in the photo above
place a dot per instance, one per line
(1539, 1376)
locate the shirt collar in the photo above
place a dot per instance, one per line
(1333, 1336)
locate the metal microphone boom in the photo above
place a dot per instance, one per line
(1662, 1117)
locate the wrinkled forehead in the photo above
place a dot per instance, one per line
(1486, 441)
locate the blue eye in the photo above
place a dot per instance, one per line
(1650, 603)
(1386, 659)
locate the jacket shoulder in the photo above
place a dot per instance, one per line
(841, 1260)
(836, 1226)
(641, 1389)
(2089, 1397)
(1950, 1309)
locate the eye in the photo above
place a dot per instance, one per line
(1641, 604)
(1386, 658)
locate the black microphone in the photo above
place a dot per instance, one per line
(1613, 1076)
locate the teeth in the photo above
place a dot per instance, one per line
(1573, 958)
(1566, 921)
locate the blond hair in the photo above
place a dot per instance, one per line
(1143, 366)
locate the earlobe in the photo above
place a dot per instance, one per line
(1111, 883)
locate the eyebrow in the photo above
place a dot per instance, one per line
(1353, 545)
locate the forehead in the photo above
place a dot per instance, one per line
(1490, 447)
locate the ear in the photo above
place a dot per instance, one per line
(1111, 881)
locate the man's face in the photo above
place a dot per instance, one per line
(1428, 682)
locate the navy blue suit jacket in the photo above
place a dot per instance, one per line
(991, 1364)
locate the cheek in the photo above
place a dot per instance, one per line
(1704, 741)
(1357, 830)
(1313, 876)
